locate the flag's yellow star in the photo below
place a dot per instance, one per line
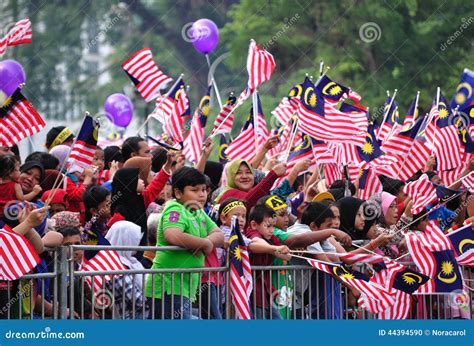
(336, 90)
(460, 98)
(408, 279)
(447, 267)
(205, 110)
(7, 102)
(348, 276)
(237, 253)
(443, 113)
(367, 148)
(312, 100)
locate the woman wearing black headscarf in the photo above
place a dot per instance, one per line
(130, 198)
(352, 216)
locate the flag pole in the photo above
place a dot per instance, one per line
(255, 116)
(438, 94)
(292, 138)
(213, 81)
(321, 67)
(161, 102)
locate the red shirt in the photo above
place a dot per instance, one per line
(260, 259)
(7, 194)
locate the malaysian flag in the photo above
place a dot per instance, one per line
(374, 295)
(172, 110)
(463, 96)
(321, 151)
(223, 158)
(20, 33)
(390, 122)
(402, 142)
(462, 241)
(18, 119)
(260, 65)
(442, 134)
(83, 151)
(369, 184)
(195, 138)
(368, 152)
(303, 151)
(333, 92)
(17, 255)
(101, 260)
(285, 110)
(422, 192)
(332, 172)
(223, 123)
(321, 120)
(241, 283)
(401, 282)
(433, 254)
(412, 114)
(244, 146)
(145, 75)
(403, 167)
(284, 133)
(359, 114)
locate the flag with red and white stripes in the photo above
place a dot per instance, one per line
(172, 110)
(433, 254)
(285, 110)
(20, 33)
(412, 114)
(17, 255)
(390, 122)
(402, 142)
(145, 75)
(103, 260)
(450, 176)
(370, 258)
(193, 142)
(223, 123)
(322, 151)
(18, 120)
(422, 192)
(241, 283)
(375, 297)
(246, 144)
(323, 121)
(83, 151)
(332, 172)
(260, 65)
(442, 135)
(369, 184)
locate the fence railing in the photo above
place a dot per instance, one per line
(279, 292)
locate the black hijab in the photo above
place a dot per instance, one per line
(126, 200)
(348, 208)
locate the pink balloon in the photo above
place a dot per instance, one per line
(119, 109)
(204, 35)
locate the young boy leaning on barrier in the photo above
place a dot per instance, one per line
(183, 223)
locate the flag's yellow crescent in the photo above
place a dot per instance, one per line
(467, 86)
(464, 242)
(327, 86)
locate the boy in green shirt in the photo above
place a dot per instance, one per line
(183, 223)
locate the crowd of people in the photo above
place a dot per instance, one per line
(134, 195)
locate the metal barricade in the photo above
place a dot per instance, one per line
(279, 292)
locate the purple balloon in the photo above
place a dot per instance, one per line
(11, 76)
(119, 109)
(204, 35)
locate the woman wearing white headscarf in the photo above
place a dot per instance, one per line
(128, 288)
